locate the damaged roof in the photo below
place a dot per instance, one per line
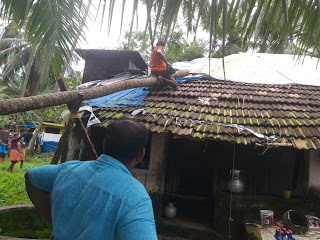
(102, 54)
(242, 113)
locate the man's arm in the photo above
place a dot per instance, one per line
(40, 199)
(160, 54)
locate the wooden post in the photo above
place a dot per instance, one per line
(65, 136)
(78, 121)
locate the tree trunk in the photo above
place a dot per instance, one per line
(35, 135)
(9, 106)
(25, 83)
(37, 130)
(67, 130)
(15, 105)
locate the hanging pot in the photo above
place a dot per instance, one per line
(235, 184)
(170, 211)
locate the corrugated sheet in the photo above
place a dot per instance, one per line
(203, 109)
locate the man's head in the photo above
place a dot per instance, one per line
(16, 135)
(161, 43)
(125, 140)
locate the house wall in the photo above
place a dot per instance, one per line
(275, 170)
(154, 177)
(314, 169)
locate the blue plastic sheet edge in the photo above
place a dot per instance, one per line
(130, 97)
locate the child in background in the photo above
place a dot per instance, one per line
(21, 145)
(14, 153)
(2, 151)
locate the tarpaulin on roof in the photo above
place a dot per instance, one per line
(258, 68)
(130, 97)
(125, 98)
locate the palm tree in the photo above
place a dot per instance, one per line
(53, 26)
(11, 89)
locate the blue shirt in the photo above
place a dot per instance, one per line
(3, 148)
(96, 200)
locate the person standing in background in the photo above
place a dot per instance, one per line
(21, 145)
(2, 151)
(14, 153)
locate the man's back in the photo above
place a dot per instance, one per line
(96, 200)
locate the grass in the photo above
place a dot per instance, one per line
(12, 187)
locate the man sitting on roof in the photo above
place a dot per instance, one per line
(159, 66)
(97, 199)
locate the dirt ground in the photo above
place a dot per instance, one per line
(160, 237)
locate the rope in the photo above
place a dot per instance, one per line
(230, 203)
(73, 115)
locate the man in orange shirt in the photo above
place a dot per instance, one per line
(159, 66)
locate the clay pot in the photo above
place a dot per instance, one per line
(170, 211)
(235, 184)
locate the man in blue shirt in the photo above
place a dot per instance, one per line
(97, 199)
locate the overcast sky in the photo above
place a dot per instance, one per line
(98, 38)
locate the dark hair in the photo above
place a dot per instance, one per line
(16, 134)
(124, 139)
(161, 43)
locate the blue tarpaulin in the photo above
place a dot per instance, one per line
(49, 146)
(130, 97)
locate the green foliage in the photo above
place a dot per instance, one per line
(26, 223)
(177, 48)
(12, 187)
(52, 27)
(139, 43)
(54, 113)
(9, 121)
(73, 80)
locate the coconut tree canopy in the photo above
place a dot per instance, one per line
(55, 25)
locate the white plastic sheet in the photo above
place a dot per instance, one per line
(259, 68)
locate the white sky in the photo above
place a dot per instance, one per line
(98, 38)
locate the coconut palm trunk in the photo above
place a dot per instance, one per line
(26, 80)
(35, 135)
(15, 105)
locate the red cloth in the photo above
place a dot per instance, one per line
(157, 64)
(14, 155)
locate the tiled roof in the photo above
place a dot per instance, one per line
(236, 112)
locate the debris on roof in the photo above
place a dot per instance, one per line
(243, 113)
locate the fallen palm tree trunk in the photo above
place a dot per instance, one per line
(9, 106)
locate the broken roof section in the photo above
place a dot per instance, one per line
(104, 64)
(288, 115)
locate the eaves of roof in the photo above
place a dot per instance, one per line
(231, 111)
